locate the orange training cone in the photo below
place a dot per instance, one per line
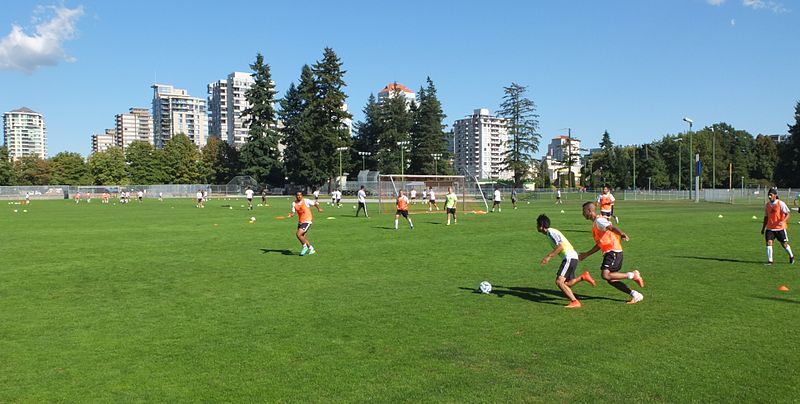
(783, 288)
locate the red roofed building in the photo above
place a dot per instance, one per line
(390, 90)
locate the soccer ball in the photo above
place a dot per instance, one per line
(253, 219)
(485, 287)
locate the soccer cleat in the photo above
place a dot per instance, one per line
(575, 304)
(791, 260)
(636, 298)
(637, 277)
(311, 251)
(588, 278)
(768, 264)
(304, 250)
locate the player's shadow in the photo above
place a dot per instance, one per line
(777, 299)
(283, 252)
(384, 227)
(544, 296)
(717, 259)
(576, 231)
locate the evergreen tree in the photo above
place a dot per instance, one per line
(108, 167)
(143, 165)
(427, 135)
(368, 134)
(69, 168)
(788, 168)
(260, 155)
(606, 144)
(6, 167)
(523, 138)
(396, 122)
(297, 132)
(181, 160)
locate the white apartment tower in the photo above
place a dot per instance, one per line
(103, 141)
(137, 124)
(226, 101)
(176, 112)
(24, 133)
(390, 89)
(479, 144)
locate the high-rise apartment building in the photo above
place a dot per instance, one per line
(390, 90)
(226, 101)
(480, 142)
(103, 141)
(176, 112)
(137, 124)
(24, 133)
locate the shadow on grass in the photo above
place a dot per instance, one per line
(384, 227)
(545, 296)
(777, 299)
(575, 231)
(718, 259)
(284, 252)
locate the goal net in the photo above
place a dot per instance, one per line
(470, 197)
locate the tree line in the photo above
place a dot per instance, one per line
(728, 156)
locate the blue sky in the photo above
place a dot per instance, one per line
(634, 68)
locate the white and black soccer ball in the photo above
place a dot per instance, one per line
(253, 219)
(485, 287)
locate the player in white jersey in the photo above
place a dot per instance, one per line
(432, 200)
(248, 193)
(565, 277)
(558, 197)
(362, 202)
(140, 195)
(498, 197)
(200, 201)
(413, 194)
(316, 194)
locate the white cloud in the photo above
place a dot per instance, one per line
(715, 2)
(24, 52)
(773, 6)
(733, 22)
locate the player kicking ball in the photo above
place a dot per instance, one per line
(776, 214)
(302, 207)
(402, 210)
(565, 277)
(607, 239)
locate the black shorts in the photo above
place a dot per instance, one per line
(451, 210)
(567, 268)
(362, 205)
(401, 212)
(606, 214)
(249, 199)
(612, 261)
(513, 200)
(338, 201)
(496, 203)
(779, 235)
(432, 201)
(558, 197)
(304, 227)
(198, 199)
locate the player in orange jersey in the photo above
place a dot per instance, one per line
(606, 201)
(776, 215)
(607, 239)
(302, 207)
(402, 210)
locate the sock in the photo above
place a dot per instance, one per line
(789, 250)
(769, 253)
(395, 224)
(633, 292)
(410, 224)
(630, 275)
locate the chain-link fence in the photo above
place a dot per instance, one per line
(34, 192)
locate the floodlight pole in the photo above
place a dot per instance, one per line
(634, 169)
(364, 155)
(680, 171)
(402, 145)
(340, 150)
(691, 169)
(436, 157)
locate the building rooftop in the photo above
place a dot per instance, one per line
(392, 86)
(25, 110)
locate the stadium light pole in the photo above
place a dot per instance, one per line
(402, 144)
(691, 169)
(679, 162)
(634, 169)
(436, 157)
(340, 150)
(364, 155)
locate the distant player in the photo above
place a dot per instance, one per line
(200, 200)
(27, 200)
(338, 201)
(514, 198)
(558, 197)
(450, 204)
(302, 207)
(402, 210)
(413, 196)
(796, 198)
(776, 215)
(565, 276)
(140, 195)
(424, 196)
(606, 201)
(316, 195)
(248, 194)
(498, 197)
(264, 197)
(161, 197)
(432, 200)
(77, 197)
(205, 196)
(362, 201)
(607, 239)
(106, 196)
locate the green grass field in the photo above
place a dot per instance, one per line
(166, 302)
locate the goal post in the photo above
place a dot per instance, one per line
(389, 185)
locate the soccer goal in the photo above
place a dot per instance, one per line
(470, 197)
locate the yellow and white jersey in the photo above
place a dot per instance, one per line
(557, 238)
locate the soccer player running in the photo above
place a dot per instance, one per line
(450, 203)
(432, 200)
(607, 239)
(606, 202)
(498, 197)
(199, 196)
(558, 197)
(402, 210)
(248, 193)
(776, 215)
(565, 276)
(302, 207)
(514, 198)
(362, 202)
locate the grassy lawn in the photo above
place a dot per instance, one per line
(167, 302)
